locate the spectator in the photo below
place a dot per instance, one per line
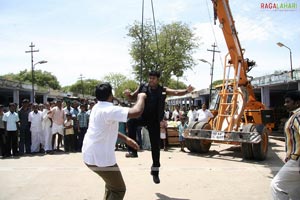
(2, 133)
(181, 128)
(11, 119)
(83, 121)
(204, 114)
(286, 183)
(163, 132)
(74, 113)
(35, 119)
(91, 105)
(192, 114)
(25, 134)
(176, 114)
(69, 134)
(41, 107)
(57, 115)
(47, 128)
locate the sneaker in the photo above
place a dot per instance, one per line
(131, 155)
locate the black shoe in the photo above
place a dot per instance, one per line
(131, 155)
(155, 177)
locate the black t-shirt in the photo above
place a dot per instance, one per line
(154, 102)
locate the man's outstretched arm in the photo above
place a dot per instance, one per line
(180, 92)
(131, 95)
(137, 110)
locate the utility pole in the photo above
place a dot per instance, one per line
(32, 70)
(212, 68)
(82, 89)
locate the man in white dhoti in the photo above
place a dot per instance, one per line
(46, 125)
(37, 137)
(58, 116)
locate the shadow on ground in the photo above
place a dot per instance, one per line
(164, 197)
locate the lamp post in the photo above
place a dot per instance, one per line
(282, 45)
(32, 76)
(211, 76)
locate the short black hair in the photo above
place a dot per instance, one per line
(11, 104)
(154, 73)
(103, 91)
(294, 95)
(25, 101)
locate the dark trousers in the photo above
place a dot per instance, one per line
(114, 184)
(12, 143)
(2, 142)
(69, 143)
(76, 134)
(25, 140)
(154, 134)
(81, 135)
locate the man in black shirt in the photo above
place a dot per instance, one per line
(25, 134)
(152, 115)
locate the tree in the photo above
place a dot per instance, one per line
(128, 84)
(41, 78)
(88, 87)
(115, 79)
(175, 84)
(217, 82)
(172, 54)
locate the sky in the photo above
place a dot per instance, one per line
(89, 37)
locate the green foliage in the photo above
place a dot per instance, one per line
(41, 78)
(172, 54)
(86, 87)
(120, 83)
(127, 84)
(174, 84)
(217, 82)
(115, 79)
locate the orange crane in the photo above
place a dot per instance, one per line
(239, 117)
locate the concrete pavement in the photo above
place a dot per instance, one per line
(219, 174)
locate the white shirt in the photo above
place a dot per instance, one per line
(192, 115)
(204, 116)
(46, 120)
(100, 139)
(11, 119)
(36, 120)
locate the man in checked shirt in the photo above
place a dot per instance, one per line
(286, 184)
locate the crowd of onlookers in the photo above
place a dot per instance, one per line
(182, 119)
(43, 128)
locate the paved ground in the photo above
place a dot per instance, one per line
(220, 174)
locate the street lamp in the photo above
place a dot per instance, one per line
(32, 76)
(211, 76)
(282, 45)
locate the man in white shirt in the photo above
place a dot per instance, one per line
(204, 115)
(11, 119)
(37, 137)
(176, 114)
(99, 142)
(192, 114)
